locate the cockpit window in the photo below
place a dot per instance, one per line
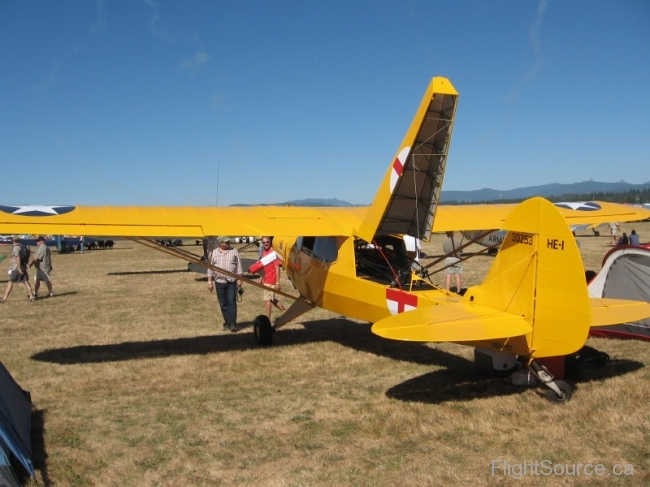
(322, 248)
(326, 249)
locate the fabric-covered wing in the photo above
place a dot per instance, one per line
(458, 322)
(491, 217)
(134, 221)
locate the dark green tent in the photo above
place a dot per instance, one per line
(15, 430)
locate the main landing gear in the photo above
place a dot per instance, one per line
(558, 391)
(263, 331)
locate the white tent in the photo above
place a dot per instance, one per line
(625, 275)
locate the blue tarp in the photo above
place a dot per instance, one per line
(15, 422)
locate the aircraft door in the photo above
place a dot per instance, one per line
(309, 260)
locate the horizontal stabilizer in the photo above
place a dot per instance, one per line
(606, 311)
(456, 322)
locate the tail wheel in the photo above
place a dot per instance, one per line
(263, 331)
(565, 388)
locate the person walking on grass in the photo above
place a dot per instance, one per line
(18, 270)
(43, 263)
(227, 258)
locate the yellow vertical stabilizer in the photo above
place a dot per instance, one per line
(538, 274)
(408, 196)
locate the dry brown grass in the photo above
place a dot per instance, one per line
(135, 384)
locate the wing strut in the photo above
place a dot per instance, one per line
(470, 242)
(195, 259)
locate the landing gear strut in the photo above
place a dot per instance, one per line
(558, 391)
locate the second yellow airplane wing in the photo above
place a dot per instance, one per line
(456, 322)
(487, 217)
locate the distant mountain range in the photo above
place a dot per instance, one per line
(546, 190)
(487, 194)
(307, 202)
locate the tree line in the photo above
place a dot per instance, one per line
(633, 196)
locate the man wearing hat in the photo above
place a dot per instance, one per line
(227, 258)
(43, 263)
(17, 271)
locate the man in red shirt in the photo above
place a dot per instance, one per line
(271, 278)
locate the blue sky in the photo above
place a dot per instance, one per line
(186, 103)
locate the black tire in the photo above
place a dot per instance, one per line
(263, 331)
(566, 392)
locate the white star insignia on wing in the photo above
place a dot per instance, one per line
(50, 210)
(36, 210)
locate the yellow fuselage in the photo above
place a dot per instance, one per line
(335, 286)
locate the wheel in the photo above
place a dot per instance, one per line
(263, 331)
(564, 388)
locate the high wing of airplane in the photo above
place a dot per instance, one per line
(575, 212)
(492, 216)
(353, 261)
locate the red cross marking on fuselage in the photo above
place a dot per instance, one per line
(402, 299)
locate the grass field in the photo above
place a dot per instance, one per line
(134, 383)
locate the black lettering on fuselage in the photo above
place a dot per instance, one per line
(555, 244)
(522, 238)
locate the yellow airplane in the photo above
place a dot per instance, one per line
(533, 302)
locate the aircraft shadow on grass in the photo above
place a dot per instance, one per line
(465, 384)
(457, 380)
(339, 330)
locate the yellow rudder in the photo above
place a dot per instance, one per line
(538, 274)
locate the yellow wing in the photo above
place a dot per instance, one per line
(487, 217)
(134, 221)
(456, 322)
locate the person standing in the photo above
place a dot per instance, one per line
(613, 230)
(453, 266)
(43, 263)
(17, 270)
(227, 258)
(271, 277)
